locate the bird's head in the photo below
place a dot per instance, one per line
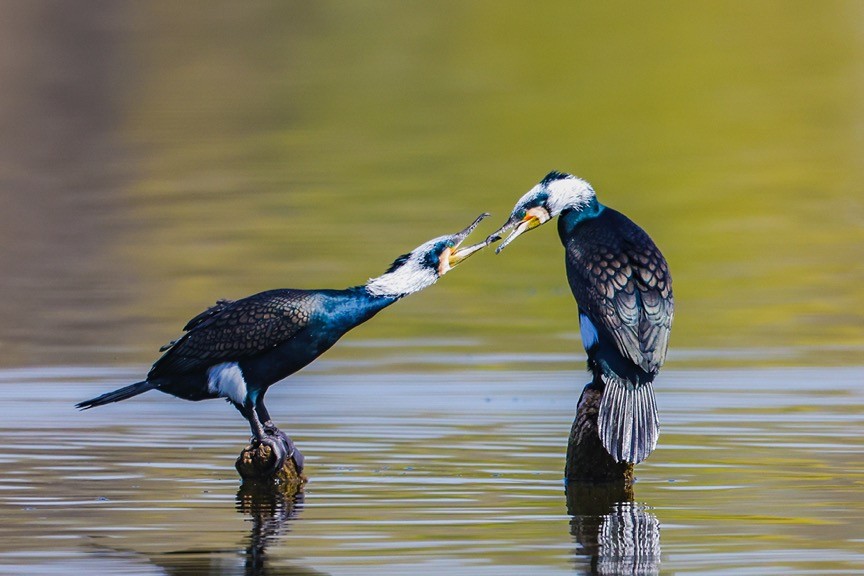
(555, 193)
(423, 266)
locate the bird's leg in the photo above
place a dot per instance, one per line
(260, 436)
(271, 430)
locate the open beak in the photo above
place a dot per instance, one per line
(458, 254)
(520, 227)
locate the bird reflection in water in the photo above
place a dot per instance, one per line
(269, 508)
(614, 534)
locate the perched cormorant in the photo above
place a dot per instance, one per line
(624, 293)
(237, 349)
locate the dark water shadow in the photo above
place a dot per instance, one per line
(613, 534)
(270, 510)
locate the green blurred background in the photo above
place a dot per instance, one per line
(157, 156)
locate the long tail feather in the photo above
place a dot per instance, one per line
(117, 395)
(628, 423)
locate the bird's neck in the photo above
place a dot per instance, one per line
(352, 306)
(570, 218)
(348, 308)
(400, 282)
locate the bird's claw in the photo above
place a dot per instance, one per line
(291, 451)
(278, 450)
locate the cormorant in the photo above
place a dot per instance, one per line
(623, 291)
(237, 349)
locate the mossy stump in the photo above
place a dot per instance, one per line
(254, 462)
(587, 459)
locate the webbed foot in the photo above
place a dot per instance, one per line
(291, 451)
(277, 448)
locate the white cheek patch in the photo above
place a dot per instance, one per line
(540, 213)
(588, 332)
(226, 381)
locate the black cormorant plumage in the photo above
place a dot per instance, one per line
(623, 291)
(237, 349)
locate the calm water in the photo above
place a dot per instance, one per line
(157, 156)
(436, 472)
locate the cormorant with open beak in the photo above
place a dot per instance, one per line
(623, 290)
(237, 349)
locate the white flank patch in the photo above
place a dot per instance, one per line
(588, 332)
(226, 381)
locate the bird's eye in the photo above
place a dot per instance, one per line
(451, 244)
(520, 214)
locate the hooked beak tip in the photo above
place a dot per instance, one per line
(499, 234)
(520, 229)
(461, 236)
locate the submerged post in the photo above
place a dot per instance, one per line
(587, 459)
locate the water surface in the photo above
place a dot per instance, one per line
(456, 471)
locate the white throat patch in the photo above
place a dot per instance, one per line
(412, 276)
(407, 279)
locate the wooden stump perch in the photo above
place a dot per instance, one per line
(254, 461)
(587, 459)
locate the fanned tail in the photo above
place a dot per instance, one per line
(628, 424)
(117, 395)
